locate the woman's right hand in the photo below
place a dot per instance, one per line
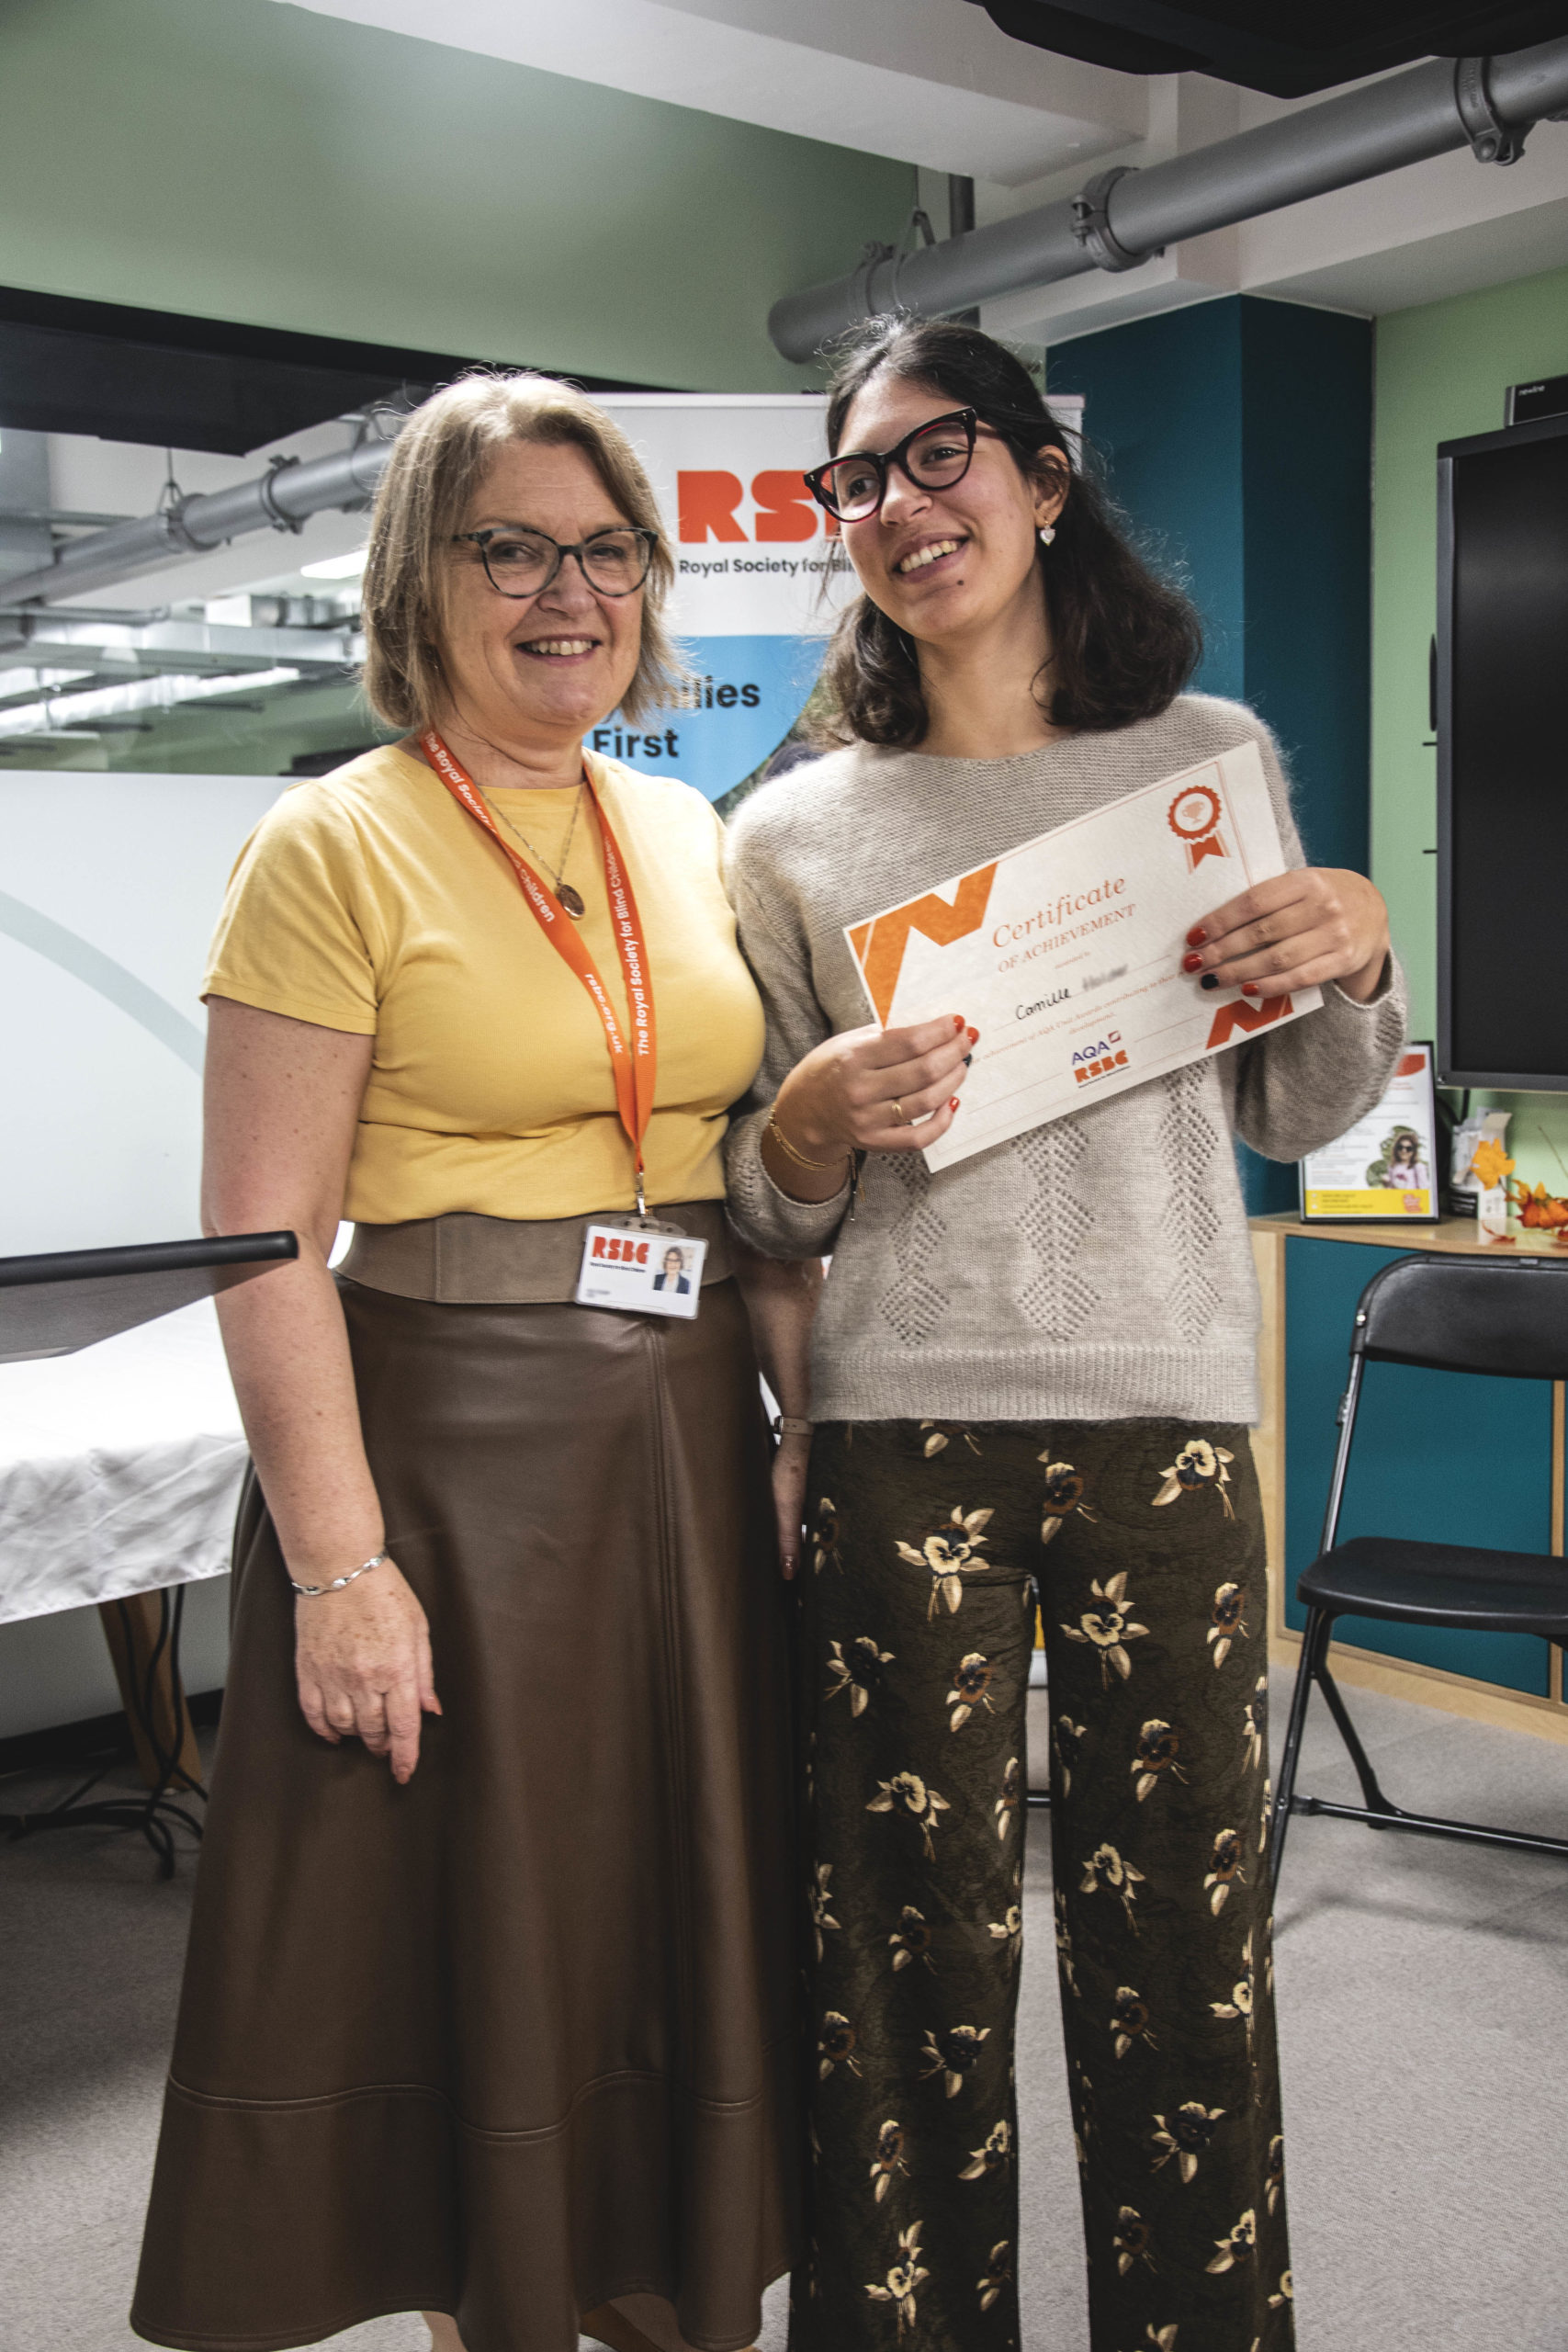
(362, 1661)
(877, 1090)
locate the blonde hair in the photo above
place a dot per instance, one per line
(437, 461)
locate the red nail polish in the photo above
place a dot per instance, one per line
(953, 1105)
(1197, 935)
(974, 1036)
(1249, 988)
(1192, 963)
(958, 1020)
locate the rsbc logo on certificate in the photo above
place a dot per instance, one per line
(1067, 952)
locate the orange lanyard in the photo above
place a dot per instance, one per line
(635, 1068)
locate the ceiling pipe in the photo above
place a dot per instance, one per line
(1124, 216)
(279, 500)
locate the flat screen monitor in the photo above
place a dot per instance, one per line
(1502, 714)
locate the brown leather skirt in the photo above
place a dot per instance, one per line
(520, 2038)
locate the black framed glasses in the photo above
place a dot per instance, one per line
(935, 456)
(523, 563)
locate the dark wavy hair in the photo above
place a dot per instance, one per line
(1124, 641)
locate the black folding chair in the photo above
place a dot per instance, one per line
(1508, 1317)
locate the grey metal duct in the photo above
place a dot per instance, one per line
(278, 499)
(1123, 216)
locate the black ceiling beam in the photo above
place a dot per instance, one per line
(123, 374)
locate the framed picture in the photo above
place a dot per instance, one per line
(1385, 1167)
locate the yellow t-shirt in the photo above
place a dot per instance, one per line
(369, 901)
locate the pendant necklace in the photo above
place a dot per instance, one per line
(566, 896)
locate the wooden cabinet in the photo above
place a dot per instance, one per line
(1458, 1459)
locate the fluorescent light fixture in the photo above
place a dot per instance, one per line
(336, 567)
(66, 711)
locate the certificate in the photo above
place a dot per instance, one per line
(1385, 1166)
(1065, 954)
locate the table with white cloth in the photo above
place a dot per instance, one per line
(121, 1469)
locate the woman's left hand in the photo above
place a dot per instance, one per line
(789, 1498)
(1298, 930)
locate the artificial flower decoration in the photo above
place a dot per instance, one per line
(1063, 1496)
(1274, 2179)
(911, 1940)
(1252, 1736)
(908, 1789)
(948, 1549)
(1105, 1868)
(820, 1899)
(836, 2045)
(994, 2276)
(860, 1674)
(1067, 1737)
(1129, 2022)
(1490, 1163)
(1186, 2137)
(1159, 1747)
(937, 1436)
(1226, 1622)
(1240, 2004)
(905, 2278)
(952, 2054)
(994, 2157)
(1133, 2239)
(1109, 1628)
(1064, 1945)
(1226, 1870)
(888, 2159)
(1237, 2245)
(1007, 1804)
(971, 1689)
(1197, 1465)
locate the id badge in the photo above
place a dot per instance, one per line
(641, 1269)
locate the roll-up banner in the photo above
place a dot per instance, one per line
(757, 580)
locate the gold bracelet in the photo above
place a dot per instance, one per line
(798, 1157)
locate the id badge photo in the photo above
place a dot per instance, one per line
(641, 1268)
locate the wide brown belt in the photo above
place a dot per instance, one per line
(465, 1260)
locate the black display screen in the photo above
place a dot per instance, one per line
(1503, 722)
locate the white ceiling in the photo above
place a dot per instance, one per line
(933, 82)
(927, 82)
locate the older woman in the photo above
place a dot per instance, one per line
(488, 2006)
(1033, 1370)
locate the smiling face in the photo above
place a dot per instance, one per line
(674, 1263)
(538, 671)
(947, 566)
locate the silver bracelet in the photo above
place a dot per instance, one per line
(314, 1592)
(790, 1425)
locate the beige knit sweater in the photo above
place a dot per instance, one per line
(1098, 1268)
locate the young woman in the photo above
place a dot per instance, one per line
(489, 2008)
(1033, 1373)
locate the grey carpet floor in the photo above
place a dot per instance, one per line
(1423, 2008)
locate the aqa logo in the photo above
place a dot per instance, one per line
(1090, 1062)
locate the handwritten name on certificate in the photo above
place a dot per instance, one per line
(1067, 952)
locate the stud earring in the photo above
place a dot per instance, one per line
(1047, 533)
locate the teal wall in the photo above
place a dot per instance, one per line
(240, 158)
(1237, 437)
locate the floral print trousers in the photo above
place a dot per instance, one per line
(1143, 1542)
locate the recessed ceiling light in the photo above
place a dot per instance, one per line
(336, 567)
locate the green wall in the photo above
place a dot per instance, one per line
(237, 159)
(1442, 370)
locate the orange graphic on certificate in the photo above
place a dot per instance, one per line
(879, 945)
